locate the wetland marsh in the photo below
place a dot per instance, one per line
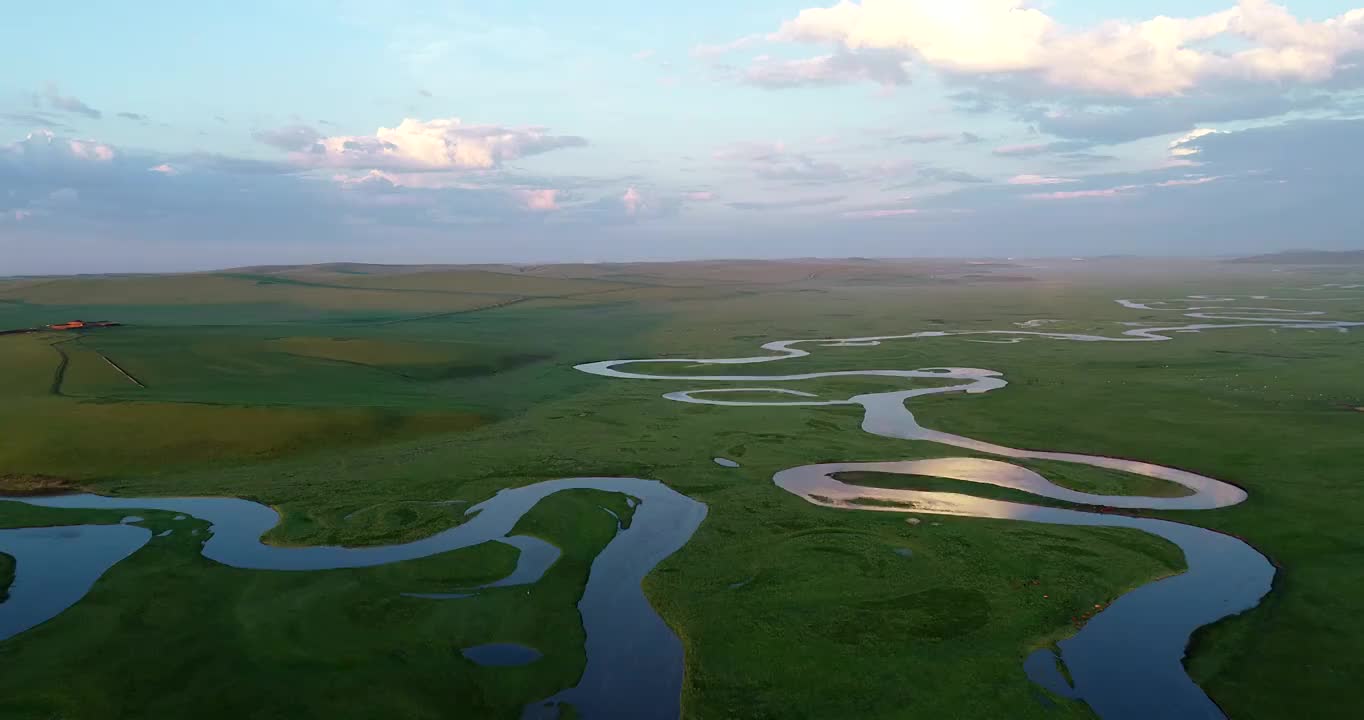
(741, 586)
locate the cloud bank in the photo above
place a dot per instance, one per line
(1159, 57)
(441, 144)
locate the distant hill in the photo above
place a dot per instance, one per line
(345, 268)
(1306, 257)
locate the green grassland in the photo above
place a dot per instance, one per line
(238, 643)
(352, 415)
(1102, 481)
(982, 490)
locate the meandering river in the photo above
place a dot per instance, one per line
(634, 660)
(1125, 663)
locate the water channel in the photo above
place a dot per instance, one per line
(1125, 663)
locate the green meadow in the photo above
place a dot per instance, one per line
(355, 398)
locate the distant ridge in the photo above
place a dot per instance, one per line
(346, 268)
(1306, 257)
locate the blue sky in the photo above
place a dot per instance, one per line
(169, 135)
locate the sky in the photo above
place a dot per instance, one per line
(149, 135)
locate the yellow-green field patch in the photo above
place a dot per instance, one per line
(369, 352)
(68, 438)
(1102, 481)
(28, 364)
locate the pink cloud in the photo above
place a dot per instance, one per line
(701, 196)
(1039, 180)
(164, 169)
(543, 200)
(1009, 150)
(22, 215)
(632, 201)
(90, 150)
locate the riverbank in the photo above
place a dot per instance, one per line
(6, 575)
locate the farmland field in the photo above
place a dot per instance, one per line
(372, 405)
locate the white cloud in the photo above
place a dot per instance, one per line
(1179, 182)
(840, 68)
(1039, 180)
(1184, 147)
(441, 144)
(1080, 194)
(64, 183)
(1163, 56)
(963, 35)
(1122, 190)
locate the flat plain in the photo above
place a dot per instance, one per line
(359, 400)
